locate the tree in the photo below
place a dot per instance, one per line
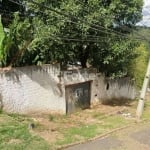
(8, 7)
(72, 31)
(137, 67)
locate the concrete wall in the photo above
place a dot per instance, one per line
(32, 89)
(42, 88)
(78, 75)
(102, 89)
(105, 89)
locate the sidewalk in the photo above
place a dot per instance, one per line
(133, 138)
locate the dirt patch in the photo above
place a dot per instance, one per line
(49, 136)
(49, 127)
(46, 129)
(14, 141)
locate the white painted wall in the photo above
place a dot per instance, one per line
(42, 88)
(118, 89)
(32, 89)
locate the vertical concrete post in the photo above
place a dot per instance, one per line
(143, 93)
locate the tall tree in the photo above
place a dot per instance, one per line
(74, 31)
(7, 9)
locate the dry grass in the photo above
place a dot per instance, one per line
(54, 130)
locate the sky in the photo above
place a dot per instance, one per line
(146, 14)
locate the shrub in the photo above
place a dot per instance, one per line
(138, 66)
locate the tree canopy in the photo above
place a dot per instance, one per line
(72, 31)
(7, 8)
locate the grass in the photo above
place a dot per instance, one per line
(98, 115)
(75, 134)
(78, 127)
(15, 135)
(82, 132)
(57, 118)
(146, 111)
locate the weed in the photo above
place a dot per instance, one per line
(78, 133)
(58, 118)
(1, 111)
(51, 117)
(14, 135)
(98, 115)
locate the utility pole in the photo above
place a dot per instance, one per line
(140, 106)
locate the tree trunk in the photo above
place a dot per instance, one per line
(83, 62)
(84, 55)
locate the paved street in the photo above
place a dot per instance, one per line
(133, 138)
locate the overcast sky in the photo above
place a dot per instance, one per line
(146, 14)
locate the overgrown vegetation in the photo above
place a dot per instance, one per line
(71, 32)
(138, 66)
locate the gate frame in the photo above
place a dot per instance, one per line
(69, 85)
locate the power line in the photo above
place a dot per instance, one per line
(68, 21)
(104, 16)
(16, 2)
(90, 38)
(95, 27)
(10, 13)
(95, 40)
(66, 38)
(68, 16)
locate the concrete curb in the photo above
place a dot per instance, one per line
(91, 139)
(104, 135)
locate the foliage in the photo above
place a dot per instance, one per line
(19, 33)
(115, 57)
(1, 39)
(15, 135)
(7, 8)
(137, 67)
(72, 31)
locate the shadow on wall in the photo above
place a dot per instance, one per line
(119, 92)
(13, 75)
(46, 76)
(118, 102)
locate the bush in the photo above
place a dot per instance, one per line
(138, 66)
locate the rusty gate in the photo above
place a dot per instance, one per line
(78, 96)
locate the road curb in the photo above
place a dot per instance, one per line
(103, 135)
(97, 137)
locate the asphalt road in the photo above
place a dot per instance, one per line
(136, 137)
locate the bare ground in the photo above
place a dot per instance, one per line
(48, 126)
(134, 137)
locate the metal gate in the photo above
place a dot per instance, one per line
(78, 96)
